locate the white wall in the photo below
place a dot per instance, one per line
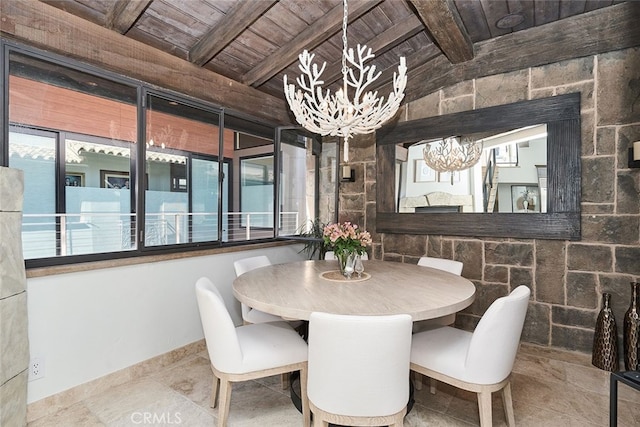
(86, 325)
(460, 186)
(528, 158)
(525, 173)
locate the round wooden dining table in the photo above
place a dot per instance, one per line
(295, 290)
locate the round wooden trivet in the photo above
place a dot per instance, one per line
(336, 276)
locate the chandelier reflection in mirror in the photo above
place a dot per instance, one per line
(336, 115)
(452, 154)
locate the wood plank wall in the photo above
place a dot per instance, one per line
(38, 104)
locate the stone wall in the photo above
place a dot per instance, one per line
(566, 278)
(14, 344)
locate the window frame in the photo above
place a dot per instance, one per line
(138, 156)
(316, 148)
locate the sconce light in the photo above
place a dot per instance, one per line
(348, 174)
(634, 155)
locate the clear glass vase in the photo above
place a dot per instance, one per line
(347, 261)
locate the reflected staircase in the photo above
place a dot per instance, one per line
(490, 187)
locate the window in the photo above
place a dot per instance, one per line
(67, 127)
(34, 151)
(114, 168)
(97, 213)
(181, 172)
(256, 194)
(298, 182)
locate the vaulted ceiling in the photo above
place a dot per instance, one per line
(256, 42)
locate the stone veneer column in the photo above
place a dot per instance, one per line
(14, 343)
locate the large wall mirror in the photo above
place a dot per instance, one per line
(526, 184)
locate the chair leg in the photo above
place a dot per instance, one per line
(284, 379)
(214, 391)
(399, 420)
(224, 402)
(417, 380)
(306, 411)
(432, 385)
(507, 402)
(484, 405)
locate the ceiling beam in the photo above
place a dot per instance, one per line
(239, 18)
(418, 58)
(124, 13)
(445, 26)
(380, 44)
(69, 35)
(603, 30)
(321, 30)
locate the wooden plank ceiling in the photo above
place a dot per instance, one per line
(256, 42)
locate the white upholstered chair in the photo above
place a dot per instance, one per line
(454, 267)
(450, 266)
(251, 315)
(331, 256)
(359, 369)
(246, 352)
(481, 361)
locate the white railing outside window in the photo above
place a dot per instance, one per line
(51, 235)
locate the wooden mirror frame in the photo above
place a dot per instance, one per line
(560, 113)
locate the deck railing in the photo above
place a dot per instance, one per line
(50, 235)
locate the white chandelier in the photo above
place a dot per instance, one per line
(452, 154)
(336, 115)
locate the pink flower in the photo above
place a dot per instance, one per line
(346, 237)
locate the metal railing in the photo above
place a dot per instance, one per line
(51, 235)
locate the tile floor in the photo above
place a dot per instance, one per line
(550, 388)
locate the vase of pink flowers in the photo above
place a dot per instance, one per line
(347, 241)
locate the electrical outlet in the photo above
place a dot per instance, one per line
(36, 368)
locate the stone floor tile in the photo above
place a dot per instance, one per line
(192, 379)
(629, 413)
(421, 416)
(529, 415)
(534, 366)
(75, 415)
(267, 408)
(143, 396)
(180, 413)
(550, 388)
(588, 378)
